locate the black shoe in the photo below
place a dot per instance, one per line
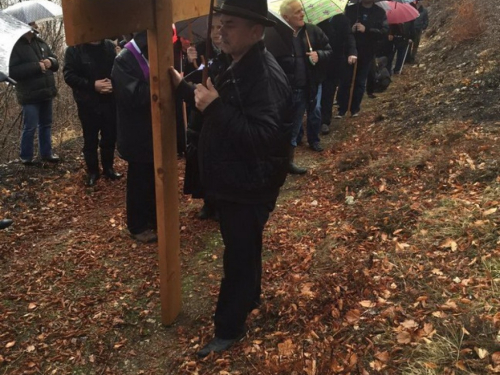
(111, 174)
(27, 161)
(91, 179)
(206, 212)
(294, 169)
(316, 147)
(5, 223)
(218, 345)
(148, 236)
(325, 129)
(371, 96)
(53, 158)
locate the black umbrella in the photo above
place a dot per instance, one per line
(278, 39)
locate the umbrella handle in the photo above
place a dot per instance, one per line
(204, 73)
(208, 45)
(406, 54)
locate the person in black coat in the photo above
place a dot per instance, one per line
(32, 65)
(369, 25)
(344, 52)
(243, 150)
(130, 77)
(216, 65)
(305, 65)
(87, 70)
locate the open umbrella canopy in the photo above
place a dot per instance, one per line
(34, 11)
(11, 30)
(315, 10)
(398, 12)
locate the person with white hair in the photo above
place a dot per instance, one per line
(305, 65)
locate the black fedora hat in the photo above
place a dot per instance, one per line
(255, 10)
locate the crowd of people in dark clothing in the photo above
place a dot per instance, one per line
(238, 129)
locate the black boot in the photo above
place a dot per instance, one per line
(91, 178)
(107, 158)
(206, 212)
(292, 168)
(92, 162)
(5, 223)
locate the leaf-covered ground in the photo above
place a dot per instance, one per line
(383, 259)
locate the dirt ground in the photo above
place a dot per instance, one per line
(383, 259)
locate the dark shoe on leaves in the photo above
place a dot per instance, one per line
(5, 223)
(294, 169)
(218, 345)
(371, 96)
(112, 174)
(148, 236)
(325, 129)
(27, 161)
(206, 212)
(91, 179)
(316, 147)
(53, 158)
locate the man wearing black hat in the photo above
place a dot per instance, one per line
(243, 150)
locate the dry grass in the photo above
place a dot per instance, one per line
(469, 23)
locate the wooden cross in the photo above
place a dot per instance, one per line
(92, 20)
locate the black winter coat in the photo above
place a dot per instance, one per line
(33, 86)
(376, 29)
(315, 73)
(245, 137)
(82, 69)
(133, 105)
(339, 33)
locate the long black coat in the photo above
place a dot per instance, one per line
(376, 29)
(82, 68)
(133, 105)
(315, 73)
(33, 86)
(244, 142)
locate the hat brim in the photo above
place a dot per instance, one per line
(242, 13)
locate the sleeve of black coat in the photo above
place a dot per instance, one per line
(19, 69)
(129, 86)
(323, 48)
(72, 71)
(53, 59)
(350, 41)
(252, 131)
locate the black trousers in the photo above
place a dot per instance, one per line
(330, 85)
(141, 203)
(241, 226)
(97, 122)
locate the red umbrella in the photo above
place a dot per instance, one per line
(398, 12)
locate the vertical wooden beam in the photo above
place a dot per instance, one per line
(161, 56)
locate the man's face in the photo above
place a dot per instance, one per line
(295, 15)
(238, 35)
(215, 31)
(368, 2)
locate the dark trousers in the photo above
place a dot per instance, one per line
(241, 226)
(94, 123)
(141, 203)
(415, 45)
(359, 86)
(330, 85)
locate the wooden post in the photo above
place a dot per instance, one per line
(89, 20)
(161, 56)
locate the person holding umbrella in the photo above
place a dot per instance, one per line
(305, 66)
(369, 25)
(32, 65)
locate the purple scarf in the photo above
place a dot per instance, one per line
(143, 63)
